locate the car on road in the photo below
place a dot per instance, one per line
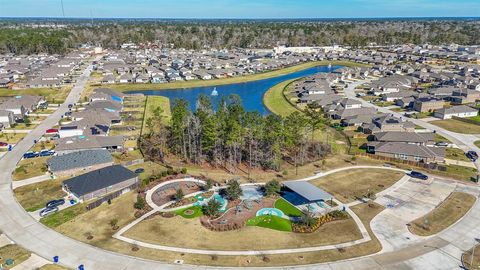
(472, 155)
(418, 175)
(139, 170)
(442, 144)
(48, 211)
(31, 155)
(55, 203)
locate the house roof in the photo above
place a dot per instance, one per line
(402, 136)
(408, 149)
(98, 179)
(79, 160)
(457, 109)
(308, 191)
(79, 143)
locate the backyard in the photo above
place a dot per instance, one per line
(349, 185)
(455, 206)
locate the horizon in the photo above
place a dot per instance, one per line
(247, 9)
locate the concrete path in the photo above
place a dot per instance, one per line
(32, 263)
(29, 181)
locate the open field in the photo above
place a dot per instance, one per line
(151, 104)
(151, 169)
(35, 196)
(346, 186)
(239, 79)
(457, 126)
(119, 157)
(447, 213)
(456, 154)
(52, 95)
(14, 252)
(31, 167)
(12, 138)
(181, 232)
(275, 100)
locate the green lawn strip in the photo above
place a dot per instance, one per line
(275, 100)
(287, 208)
(14, 252)
(152, 103)
(271, 222)
(238, 79)
(57, 219)
(197, 212)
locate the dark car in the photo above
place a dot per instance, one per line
(31, 155)
(472, 155)
(139, 170)
(55, 203)
(46, 153)
(418, 175)
(47, 211)
(70, 106)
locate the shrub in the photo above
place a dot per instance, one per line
(140, 203)
(212, 208)
(233, 190)
(272, 188)
(183, 170)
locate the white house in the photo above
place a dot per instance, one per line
(457, 111)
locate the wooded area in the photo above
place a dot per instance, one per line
(197, 34)
(229, 136)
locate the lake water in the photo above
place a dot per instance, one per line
(251, 93)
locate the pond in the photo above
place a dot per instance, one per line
(251, 93)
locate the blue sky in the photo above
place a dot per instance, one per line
(240, 8)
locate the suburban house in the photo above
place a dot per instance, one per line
(75, 162)
(6, 118)
(464, 96)
(88, 142)
(427, 104)
(98, 183)
(387, 123)
(22, 105)
(406, 151)
(106, 94)
(457, 111)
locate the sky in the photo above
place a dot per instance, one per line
(240, 8)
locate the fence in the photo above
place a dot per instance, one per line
(466, 120)
(430, 166)
(110, 196)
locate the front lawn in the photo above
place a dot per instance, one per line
(34, 196)
(271, 222)
(287, 208)
(63, 216)
(14, 252)
(455, 154)
(31, 167)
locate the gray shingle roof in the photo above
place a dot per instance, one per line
(79, 160)
(98, 179)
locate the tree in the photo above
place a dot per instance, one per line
(208, 184)
(140, 203)
(179, 194)
(308, 219)
(233, 190)
(211, 208)
(27, 121)
(272, 187)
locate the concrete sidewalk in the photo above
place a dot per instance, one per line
(29, 181)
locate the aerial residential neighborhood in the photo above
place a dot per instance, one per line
(339, 135)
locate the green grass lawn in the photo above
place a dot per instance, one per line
(271, 222)
(197, 212)
(53, 95)
(275, 100)
(35, 196)
(151, 104)
(475, 118)
(456, 154)
(238, 79)
(58, 218)
(287, 208)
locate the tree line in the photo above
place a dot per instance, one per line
(232, 34)
(229, 136)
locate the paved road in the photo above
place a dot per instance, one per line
(463, 141)
(19, 226)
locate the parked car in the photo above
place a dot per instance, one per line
(472, 155)
(442, 144)
(51, 130)
(55, 203)
(139, 170)
(3, 144)
(46, 153)
(418, 175)
(70, 106)
(31, 155)
(48, 211)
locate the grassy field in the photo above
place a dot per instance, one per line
(197, 212)
(31, 167)
(287, 208)
(447, 213)
(14, 252)
(12, 138)
(61, 217)
(152, 103)
(457, 126)
(52, 267)
(151, 168)
(126, 156)
(181, 232)
(271, 222)
(239, 79)
(346, 186)
(456, 154)
(35, 196)
(275, 100)
(53, 95)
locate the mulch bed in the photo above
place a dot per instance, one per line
(167, 194)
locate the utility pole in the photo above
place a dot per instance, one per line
(63, 10)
